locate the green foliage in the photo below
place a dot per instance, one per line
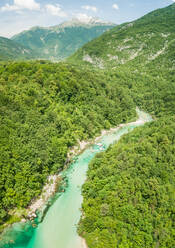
(45, 109)
(129, 198)
(129, 193)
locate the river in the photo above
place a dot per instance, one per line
(59, 227)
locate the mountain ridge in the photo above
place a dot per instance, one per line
(92, 21)
(60, 41)
(145, 39)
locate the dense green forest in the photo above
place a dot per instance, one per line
(45, 109)
(129, 198)
(129, 194)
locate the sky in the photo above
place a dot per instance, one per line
(19, 15)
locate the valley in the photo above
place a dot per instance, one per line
(54, 43)
(125, 190)
(59, 225)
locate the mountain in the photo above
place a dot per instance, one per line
(11, 50)
(58, 42)
(143, 40)
(46, 108)
(128, 197)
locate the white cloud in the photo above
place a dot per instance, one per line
(20, 5)
(88, 7)
(55, 10)
(27, 4)
(115, 6)
(173, 1)
(83, 17)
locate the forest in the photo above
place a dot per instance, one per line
(129, 199)
(45, 109)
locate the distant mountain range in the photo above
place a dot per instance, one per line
(145, 40)
(93, 41)
(57, 42)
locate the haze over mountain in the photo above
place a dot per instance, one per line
(58, 42)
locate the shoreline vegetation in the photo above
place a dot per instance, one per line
(40, 205)
(45, 109)
(139, 171)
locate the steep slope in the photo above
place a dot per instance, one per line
(45, 109)
(59, 42)
(140, 41)
(11, 50)
(129, 198)
(129, 193)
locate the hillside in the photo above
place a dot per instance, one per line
(58, 42)
(129, 193)
(11, 50)
(45, 109)
(139, 42)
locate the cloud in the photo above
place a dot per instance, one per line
(20, 5)
(88, 7)
(83, 17)
(115, 6)
(55, 10)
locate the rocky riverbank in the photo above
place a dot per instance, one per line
(48, 191)
(42, 204)
(51, 186)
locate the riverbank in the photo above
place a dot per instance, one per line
(83, 244)
(37, 205)
(51, 186)
(59, 225)
(48, 191)
(82, 145)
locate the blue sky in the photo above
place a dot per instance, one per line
(19, 15)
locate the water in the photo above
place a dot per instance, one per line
(59, 227)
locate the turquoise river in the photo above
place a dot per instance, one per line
(59, 227)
